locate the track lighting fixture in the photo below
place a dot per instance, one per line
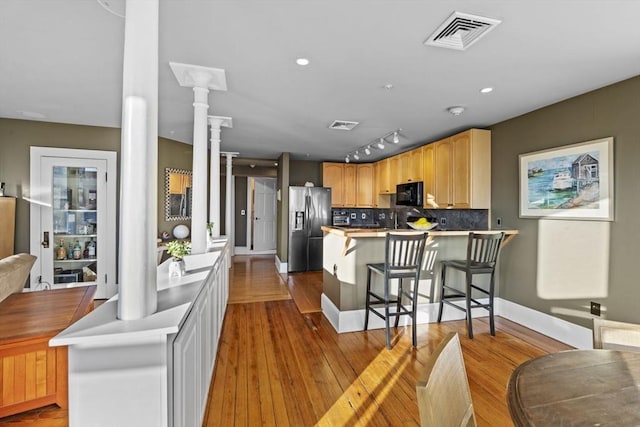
(378, 143)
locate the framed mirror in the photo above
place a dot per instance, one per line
(178, 189)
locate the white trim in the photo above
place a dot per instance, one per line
(546, 324)
(243, 250)
(282, 267)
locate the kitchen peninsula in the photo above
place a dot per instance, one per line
(346, 254)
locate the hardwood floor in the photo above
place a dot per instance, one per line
(281, 363)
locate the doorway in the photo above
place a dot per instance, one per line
(261, 203)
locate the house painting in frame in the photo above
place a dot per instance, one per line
(569, 182)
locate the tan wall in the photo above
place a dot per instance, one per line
(610, 111)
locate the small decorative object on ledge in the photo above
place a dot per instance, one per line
(177, 250)
(181, 231)
(210, 230)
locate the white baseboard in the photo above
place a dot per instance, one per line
(243, 250)
(282, 267)
(561, 330)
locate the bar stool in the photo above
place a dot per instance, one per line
(403, 260)
(482, 255)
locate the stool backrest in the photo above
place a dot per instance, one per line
(483, 249)
(404, 251)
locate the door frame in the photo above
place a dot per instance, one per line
(247, 249)
(39, 198)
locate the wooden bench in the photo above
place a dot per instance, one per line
(32, 374)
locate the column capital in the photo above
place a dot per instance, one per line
(229, 154)
(220, 121)
(198, 76)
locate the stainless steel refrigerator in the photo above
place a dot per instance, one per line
(309, 209)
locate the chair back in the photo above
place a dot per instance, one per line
(444, 398)
(483, 249)
(404, 252)
(612, 335)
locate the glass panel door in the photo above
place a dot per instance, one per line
(75, 224)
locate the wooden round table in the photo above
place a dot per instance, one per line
(576, 388)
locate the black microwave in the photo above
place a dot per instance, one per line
(409, 194)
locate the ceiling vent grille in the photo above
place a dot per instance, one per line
(461, 30)
(343, 125)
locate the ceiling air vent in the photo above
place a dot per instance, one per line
(461, 30)
(343, 125)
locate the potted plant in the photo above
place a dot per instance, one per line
(177, 249)
(210, 230)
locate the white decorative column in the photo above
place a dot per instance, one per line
(228, 231)
(139, 157)
(215, 123)
(201, 79)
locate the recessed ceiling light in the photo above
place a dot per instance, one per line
(388, 86)
(486, 90)
(456, 111)
(302, 61)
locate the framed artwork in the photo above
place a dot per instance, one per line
(569, 182)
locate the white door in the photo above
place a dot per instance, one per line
(264, 224)
(72, 220)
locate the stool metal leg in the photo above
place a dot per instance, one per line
(399, 303)
(469, 277)
(441, 305)
(366, 309)
(387, 327)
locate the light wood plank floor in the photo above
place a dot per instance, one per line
(281, 363)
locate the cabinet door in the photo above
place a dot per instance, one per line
(416, 169)
(384, 177)
(350, 184)
(333, 177)
(428, 156)
(376, 183)
(73, 225)
(461, 179)
(442, 173)
(394, 173)
(364, 197)
(404, 173)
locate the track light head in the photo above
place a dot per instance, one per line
(380, 144)
(367, 150)
(356, 156)
(346, 159)
(396, 138)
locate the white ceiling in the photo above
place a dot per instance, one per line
(63, 59)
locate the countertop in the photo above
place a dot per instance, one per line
(381, 232)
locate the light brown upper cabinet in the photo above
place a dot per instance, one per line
(350, 182)
(462, 170)
(394, 173)
(416, 168)
(333, 176)
(364, 191)
(352, 185)
(384, 177)
(428, 160)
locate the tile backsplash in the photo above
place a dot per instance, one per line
(455, 219)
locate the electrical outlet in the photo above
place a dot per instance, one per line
(443, 221)
(499, 222)
(595, 308)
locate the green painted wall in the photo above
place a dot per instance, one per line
(610, 111)
(16, 136)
